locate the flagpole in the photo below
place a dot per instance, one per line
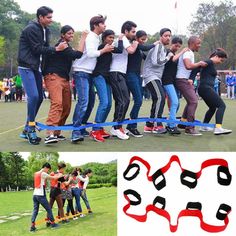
(176, 17)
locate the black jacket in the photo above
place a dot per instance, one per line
(60, 63)
(32, 45)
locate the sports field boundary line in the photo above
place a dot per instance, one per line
(19, 127)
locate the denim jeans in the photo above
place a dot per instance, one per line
(85, 199)
(44, 202)
(174, 102)
(32, 82)
(76, 192)
(134, 84)
(105, 100)
(82, 88)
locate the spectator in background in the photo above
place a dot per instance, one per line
(73, 88)
(1, 89)
(19, 88)
(230, 82)
(216, 84)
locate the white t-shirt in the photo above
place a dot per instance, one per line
(88, 61)
(120, 60)
(182, 72)
(40, 191)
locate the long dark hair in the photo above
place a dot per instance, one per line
(220, 52)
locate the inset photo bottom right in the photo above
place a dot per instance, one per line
(177, 194)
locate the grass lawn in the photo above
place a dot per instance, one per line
(12, 118)
(103, 222)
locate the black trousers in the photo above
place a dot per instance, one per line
(214, 102)
(120, 95)
(158, 101)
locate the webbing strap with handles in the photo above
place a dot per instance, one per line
(158, 179)
(190, 182)
(192, 209)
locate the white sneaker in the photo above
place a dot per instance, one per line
(206, 129)
(219, 131)
(81, 215)
(75, 218)
(119, 133)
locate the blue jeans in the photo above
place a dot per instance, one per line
(44, 202)
(174, 101)
(85, 199)
(134, 84)
(76, 192)
(105, 100)
(32, 82)
(82, 88)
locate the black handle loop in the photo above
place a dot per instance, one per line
(160, 200)
(135, 194)
(131, 166)
(224, 170)
(161, 184)
(190, 174)
(194, 206)
(222, 215)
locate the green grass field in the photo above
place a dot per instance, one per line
(103, 222)
(12, 118)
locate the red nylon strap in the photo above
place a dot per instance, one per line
(174, 158)
(183, 213)
(187, 212)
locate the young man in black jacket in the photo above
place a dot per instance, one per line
(33, 46)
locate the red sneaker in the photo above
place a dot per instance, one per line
(148, 129)
(104, 133)
(96, 135)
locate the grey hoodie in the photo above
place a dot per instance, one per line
(155, 63)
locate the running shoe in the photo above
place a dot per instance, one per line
(134, 132)
(192, 132)
(159, 130)
(51, 139)
(96, 135)
(119, 133)
(219, 131)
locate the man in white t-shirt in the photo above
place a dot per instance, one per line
(185, 85)
(39, 195)
(117, 77)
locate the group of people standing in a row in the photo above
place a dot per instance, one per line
(62, 187)
(113, 69)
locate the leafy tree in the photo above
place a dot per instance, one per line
(216, 25)
(2, 54)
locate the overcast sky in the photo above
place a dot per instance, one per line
(151, 15)
(80, 158)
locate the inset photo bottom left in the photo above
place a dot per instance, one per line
(74, 193)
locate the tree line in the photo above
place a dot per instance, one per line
(214, 23)
(17, 173)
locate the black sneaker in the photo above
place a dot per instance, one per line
(180, 126)
(48, 224)
(173, 130)
(60, 137)
(33, 229)
(90, 212)
(65, 221)
(50, 139)
(134, 132)
(54, 226)
(32, 137)
(84, 132)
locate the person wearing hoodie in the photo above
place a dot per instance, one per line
(33, 46)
